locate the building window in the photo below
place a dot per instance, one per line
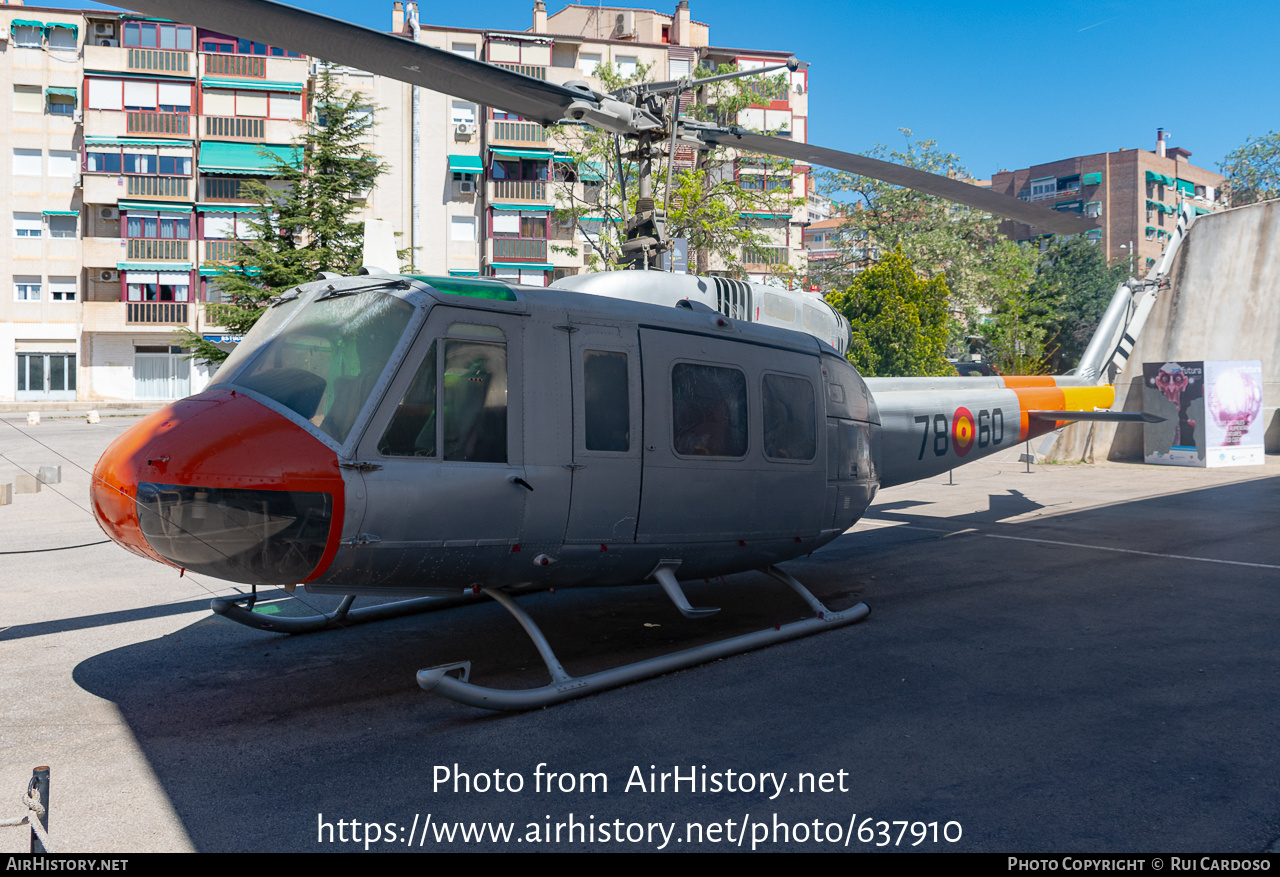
(62, 38)
(30, 37)
(1093, 208)
(466, 50)
(464, 112)
(64, 226)
(463, 229)
(234, 46)
(158, 225)
(27, 225)
(26, 288)
(1046, 188)
(62, 288)
(150, 35)
(26, 99)
(520, 169)
(627, 66)
(63, 164)
(588, 62)
(28, 163)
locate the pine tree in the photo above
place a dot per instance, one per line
(305, 222)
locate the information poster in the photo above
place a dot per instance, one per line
(1210, 412)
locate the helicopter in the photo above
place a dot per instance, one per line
(433, 439)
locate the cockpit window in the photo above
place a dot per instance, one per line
(324, 365)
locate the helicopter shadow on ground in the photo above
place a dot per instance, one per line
(1045, 696)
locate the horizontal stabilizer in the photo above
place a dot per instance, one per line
(1109, 416)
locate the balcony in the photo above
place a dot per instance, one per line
(158, 61)
(520, 190)
(235, 65)
(234, 127)
(158, 187)
(226, 190)
(105, 189)
(517, 132)
(519, 250)
(157, 123)
(526, 69)
(765, 255)
(156, 313)
(221, 251)
(150, 250)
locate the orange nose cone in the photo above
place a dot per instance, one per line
(218, 439)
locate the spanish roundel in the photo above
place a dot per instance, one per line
(962, 431)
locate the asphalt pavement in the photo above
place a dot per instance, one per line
(1075, 659)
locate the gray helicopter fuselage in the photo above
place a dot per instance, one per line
(560, 439)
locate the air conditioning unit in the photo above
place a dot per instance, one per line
(108, 213)
(115, 44)
(109, 276)
(625, 24)
(465, 129)
(467, 187)
(104, 30)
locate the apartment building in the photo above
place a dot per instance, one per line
(480, 185)
(1135, 193)
(132, 140)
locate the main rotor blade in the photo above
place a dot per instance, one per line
(331, 39)
(911, 178)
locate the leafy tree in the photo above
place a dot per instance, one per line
(1073, 277)
(937, 235)
(305, 220)
(1253, 170)
(706, 204)
(898, 319)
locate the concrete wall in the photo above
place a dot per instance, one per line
(1223, 303)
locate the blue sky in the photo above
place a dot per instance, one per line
(1001, 84)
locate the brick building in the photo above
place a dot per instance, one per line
(1134, 192)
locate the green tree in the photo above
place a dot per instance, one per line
(1073, 278)
(1253, 170)
(598, 184)
(305, 220)
(898, 319)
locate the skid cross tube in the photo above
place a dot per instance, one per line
(564, 687)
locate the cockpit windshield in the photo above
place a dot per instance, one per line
(325, 363)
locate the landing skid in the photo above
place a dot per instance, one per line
(240, 610)
(452, 680)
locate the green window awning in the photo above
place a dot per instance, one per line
(1160, 208)
(599, 219)
(227, 208)
(1091, 179)
(591, 170)
(155, 206)
(466, 164)
(1069, 205)
(524, 266)
(62, 92)
(126, 141)
(61, 212)
(1186, 187)
(537, 154)
(532, 208)
(216, 270)
(764, 215)
(26, 22)
(246, 158)
(153, 266)
(251, 84)
(1153, 177)
(75, 31)
(463, 272)
(1201, 211)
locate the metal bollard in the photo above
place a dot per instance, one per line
(40, 782)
